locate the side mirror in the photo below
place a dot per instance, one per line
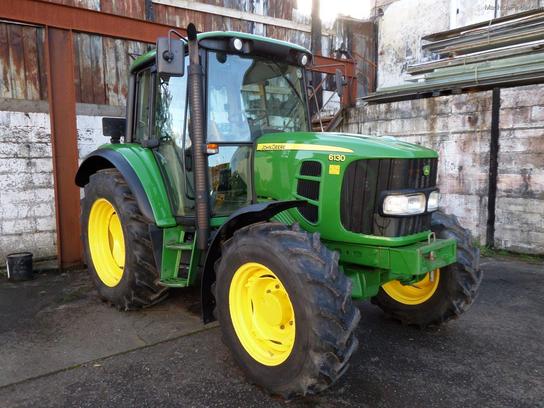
(340, 82)
(114, 128)
(170, 56)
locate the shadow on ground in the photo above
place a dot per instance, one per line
(61, 346)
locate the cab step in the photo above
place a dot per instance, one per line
(175, 282)
(180, 246)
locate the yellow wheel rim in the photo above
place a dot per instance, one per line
(262, 314)
(415, 293)
(106, 242)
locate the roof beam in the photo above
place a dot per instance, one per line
(65, 17)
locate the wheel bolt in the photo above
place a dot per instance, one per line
(268, 291)
(277, 286)
(282, 327)
(291, 323)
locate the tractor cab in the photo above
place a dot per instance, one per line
(247, 93)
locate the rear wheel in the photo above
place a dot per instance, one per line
(116, 244)
(285, 309)
(443, 294)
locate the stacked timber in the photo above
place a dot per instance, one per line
(507, 51)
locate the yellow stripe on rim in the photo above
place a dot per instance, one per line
(301, 146)
(262, 314)
(106, 242)
(415, 293)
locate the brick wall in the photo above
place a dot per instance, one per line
(27, 196)
(458, 127)
(27, 211)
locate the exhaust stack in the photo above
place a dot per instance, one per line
(198, 140)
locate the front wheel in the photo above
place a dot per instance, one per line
(443, 294)
(285, 309)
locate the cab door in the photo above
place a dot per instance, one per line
(174, 156)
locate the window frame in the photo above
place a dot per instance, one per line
(187, 219)
(251, 187)
(206, 67)
(136, 105)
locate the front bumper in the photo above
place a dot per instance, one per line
(369, 267)
(420, 258)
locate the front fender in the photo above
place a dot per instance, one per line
(239, 219)
(141, 172)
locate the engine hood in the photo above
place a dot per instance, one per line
(362, 146)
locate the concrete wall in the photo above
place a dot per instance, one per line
(399, 35)
(404, 22)
(520, 184)
(27, 196)
(458, 127)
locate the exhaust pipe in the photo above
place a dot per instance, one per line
(199, 141)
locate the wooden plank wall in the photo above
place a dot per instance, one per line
(101, 65)
(22, 73)
(101, 62)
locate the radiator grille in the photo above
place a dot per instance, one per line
(363, 182)
(309, 189)
(310, 212)
(310, 168)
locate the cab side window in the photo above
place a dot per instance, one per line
(143, 106)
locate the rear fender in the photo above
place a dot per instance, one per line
(139, 169)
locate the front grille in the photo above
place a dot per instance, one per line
(363, 182)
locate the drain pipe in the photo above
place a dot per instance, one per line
(493, 166)
(198, 140)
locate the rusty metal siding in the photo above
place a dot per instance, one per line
(101, 68)
(5, 76)
(89, 4)
(209, 22)
(101, 63)
(22, 62)
(129, 8)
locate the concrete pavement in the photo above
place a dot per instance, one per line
(61, 346)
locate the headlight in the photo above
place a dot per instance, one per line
(432, 203)
(404, 204)
(303, 59)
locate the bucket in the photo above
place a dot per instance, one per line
(19, 266)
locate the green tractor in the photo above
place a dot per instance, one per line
(221, 182)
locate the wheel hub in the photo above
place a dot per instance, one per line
(416, 293)
(262, 314)
(106, 242)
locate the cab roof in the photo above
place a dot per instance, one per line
(150, 55)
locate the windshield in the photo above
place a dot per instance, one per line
(249, 96)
